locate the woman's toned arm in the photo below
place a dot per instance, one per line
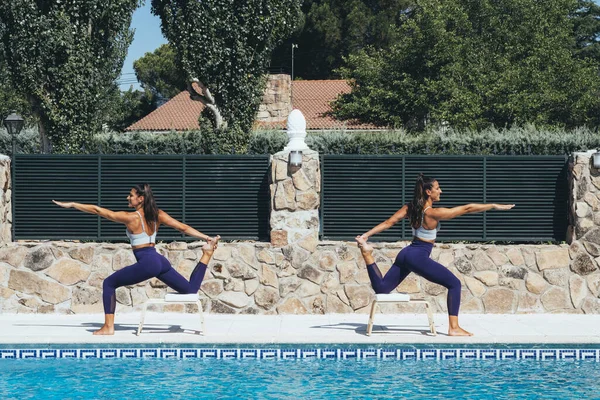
(442, 213)
(388, 223)
(122, 217)
(164, 218)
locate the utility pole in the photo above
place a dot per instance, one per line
(294, 46)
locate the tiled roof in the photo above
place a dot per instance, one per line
(178, 114)
(313, 98)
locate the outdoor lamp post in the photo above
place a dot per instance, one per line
(296, 131)
(14, 124)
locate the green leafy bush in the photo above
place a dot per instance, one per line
(525, 140)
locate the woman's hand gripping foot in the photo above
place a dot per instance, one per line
(211, 245)
(366, 249)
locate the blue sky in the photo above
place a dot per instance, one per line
(147, 38)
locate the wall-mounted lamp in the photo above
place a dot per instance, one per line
(295, 159)
(296, 131)
(596, 159)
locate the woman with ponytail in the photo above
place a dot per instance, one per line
(142, 227)
(425, 222)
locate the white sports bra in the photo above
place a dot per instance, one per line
(137, 239)
(427, 234)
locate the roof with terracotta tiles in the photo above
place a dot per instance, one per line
(313, 98)
(178, 114)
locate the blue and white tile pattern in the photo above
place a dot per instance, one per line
(310, 353)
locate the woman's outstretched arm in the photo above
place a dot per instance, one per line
(442, 213)
(115, 216)
(388, 223)
(164, 218)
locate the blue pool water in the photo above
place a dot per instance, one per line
(297, 378)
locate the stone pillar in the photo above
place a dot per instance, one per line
(295, 199)
(277, 99)
(584, 218)
(5, 200)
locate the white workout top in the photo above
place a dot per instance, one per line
(427, 234)
(141, 238)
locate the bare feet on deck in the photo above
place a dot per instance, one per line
(105, 330)
(458, 332)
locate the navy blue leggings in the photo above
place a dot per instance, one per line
(415, 258)
(149, 264)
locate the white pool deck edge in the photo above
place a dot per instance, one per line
(280, 329)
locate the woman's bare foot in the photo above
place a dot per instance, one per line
(209, 248)
(454, 329)
(211, 245)
(363, 245)
(458, 332)
(105, 330)
(366, 249)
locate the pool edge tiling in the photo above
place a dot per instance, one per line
(340, 353)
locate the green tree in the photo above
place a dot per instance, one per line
(158, 73)
(333, 29)
(123, 108)
(586, 23)
(64, 56)
(475, 63)
(10, 98)
(226, 46)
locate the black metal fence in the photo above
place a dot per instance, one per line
(361, 191)
(229, 195)
(226, 195)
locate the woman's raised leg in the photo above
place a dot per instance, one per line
(380, 283)
(176, 281)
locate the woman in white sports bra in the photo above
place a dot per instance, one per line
(142, 227)
(425, 222)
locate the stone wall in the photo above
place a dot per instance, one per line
(277, 100)
(5, 200)
(295, 273)
(325, 277)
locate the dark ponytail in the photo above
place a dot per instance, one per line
(150, 208)
(415, 207)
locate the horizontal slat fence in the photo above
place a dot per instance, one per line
(361, 191)
(226, 195)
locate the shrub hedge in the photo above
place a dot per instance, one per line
(525, 140)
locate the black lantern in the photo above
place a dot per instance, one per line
(14, 123)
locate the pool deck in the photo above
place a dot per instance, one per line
(279, 329)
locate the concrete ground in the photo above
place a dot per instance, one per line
(275, 329)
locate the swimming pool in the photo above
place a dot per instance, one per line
(281, 372)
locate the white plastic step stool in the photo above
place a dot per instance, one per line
(399, 298)
(174, 298)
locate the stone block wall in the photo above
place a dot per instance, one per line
(316, 278)
(296, 273)
(295, 200)
(5, 200)
(277, 99)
